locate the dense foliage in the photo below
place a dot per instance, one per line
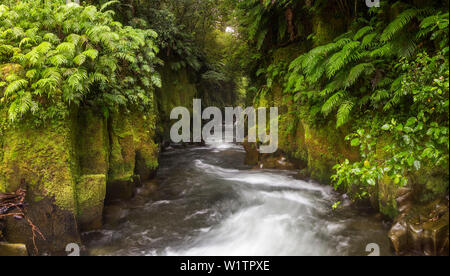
(191, 36)
(382, 72)
(55, 56)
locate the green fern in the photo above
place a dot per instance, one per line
(343, 114)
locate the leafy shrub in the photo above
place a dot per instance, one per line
(72, 55)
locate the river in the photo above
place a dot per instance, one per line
(205, 201)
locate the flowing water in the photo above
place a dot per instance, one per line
(207, 202)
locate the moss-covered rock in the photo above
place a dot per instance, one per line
(92, 149)
(122, 158)
(326, 146)
(58, 226)
(146, 150)
(92, 141)
(387, 197)
(13, 250)
(133, 152)
(43, 162)
(91, 193)
(422, 229)
(430, 183)
(178, 89)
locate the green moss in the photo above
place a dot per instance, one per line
(43, 160)
(92, 143)
(133, 152)
(122, 155)
(91, 193)
(387, 195)
(430, 183)
(289, 53)
(327, 25)
(326, 147)
(147, 151)
(177, 90)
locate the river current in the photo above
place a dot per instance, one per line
(205, 202)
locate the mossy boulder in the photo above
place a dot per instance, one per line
(387, 193)
(178, 89)
(13, 250)
(326, 146)
(133, 153)
(92, 149)
(92, 141)
(430, 183)
(91, 193)
(122, 158)
(422, 229)
(146, 150)
(42, 161)
(58, 226)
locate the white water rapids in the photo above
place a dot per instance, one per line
(207, 202)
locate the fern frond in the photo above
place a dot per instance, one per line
(333, 102)
(91, 53)
(107, 4)
(66, 48)
(343, 114)
(58, 60)
(340, 59)
(357, 71)
(15, 86)
(362, 32)
(79, 60)
(399, 23)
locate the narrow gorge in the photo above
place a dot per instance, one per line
(87, 159)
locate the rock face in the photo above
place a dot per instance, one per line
(69, 169)
(13, 250)
(252, 153)
(422, 229)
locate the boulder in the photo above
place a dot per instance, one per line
(13, 250)
(422, 230)
(42, 162)
(91, 192)
(58, 226)
(252, 153)
(278, 163)
(120, 189)
(398, 236)
(115, 214)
